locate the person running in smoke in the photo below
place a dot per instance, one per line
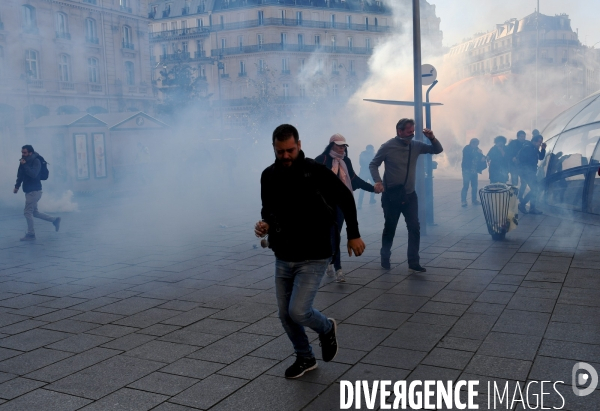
(498, 161)
(29, 175)
(528, 157)
(473, 163)
(299, 199)
(364, 160)
(399, 197)
(512, 150)
(335, 157)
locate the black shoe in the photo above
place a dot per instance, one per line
(300, 366)
(56, 223)
(416, 268)
(385, 263)
(328, 342)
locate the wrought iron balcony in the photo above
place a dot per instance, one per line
(66, 85)
(171, 34)
(351, 5)
(93, 40)
(63, 35)
(94, 2)
(128, 46)
(289, 47)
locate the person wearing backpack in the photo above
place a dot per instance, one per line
(299, 198)
(335, 157)
(32, 170)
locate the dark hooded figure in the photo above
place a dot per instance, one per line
(497, 159)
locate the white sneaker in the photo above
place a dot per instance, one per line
(330, 271)
(339, 276)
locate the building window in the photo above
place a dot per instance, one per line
(368, 44)
(301, 40)
(366, 23)
(318, 41)
(350, 43)
(62, 30)
(352, 69)
(129, 73)
(174, 48)
(64, 68)
(202, 71)
(222, 22)
(259, 41)
(320, 66)
(29, 21)
(348, 21)
(173, 25)
(241, 43)
(299, 18)
(285, 65)
(261, 66)
(183, 25)
(334, 90)
(200, 23)
(184, 46)
(93, 76)
(302, 91)
(286, 90)
(127, 37)
(32, 64)
(199, 48)
(282, 16)
(333, 21)
(376, 22)
(164, 26)
(223, 44)
(302, 64)
(165, 50)
(91, 32)
(333, 43)
(242, 68)
(261, 17)
(283, 39)
(334, 67)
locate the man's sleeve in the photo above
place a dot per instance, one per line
(336, 192)
(34, 169)
(376, 162)
(542, 154)
(434, 148)
(19, 177)
(266, 211)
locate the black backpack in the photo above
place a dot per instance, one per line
(44, 173)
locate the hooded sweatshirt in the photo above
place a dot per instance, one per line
(29, 174)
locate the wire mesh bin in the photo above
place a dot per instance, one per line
(499, 203)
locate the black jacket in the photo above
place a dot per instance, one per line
(299, 203)
(473, 160)
(356, 181)
(29, 174)
(529, 155)
(498, 165)
(513, 148)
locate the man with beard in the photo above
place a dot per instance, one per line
(299, 200)
(399, 197)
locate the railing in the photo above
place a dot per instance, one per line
(92, 40)
(133, 89)
(90, 1)
(169, 34)
(36, 83)
(225, 75)
(95, 88)
(66, 85)
(200, 54)
(129, 46)
(63, 35)
(289, 47)
(352, 5)
(183, 56)
(126, 9)
(285, 72)
(243, 74)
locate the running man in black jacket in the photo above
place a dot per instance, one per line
(299, 199)
(528, 157)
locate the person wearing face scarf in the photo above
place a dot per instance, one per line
(399, 197)
(335, 158)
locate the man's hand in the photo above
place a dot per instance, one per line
(15, 190)
(379, 187)
(22, 161)
(261, 229)
(543, 146)
(429, 134)
(357, 245)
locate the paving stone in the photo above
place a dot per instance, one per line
(543, 305)
(4, 376)
(32, 339)
(79, 343)
(456, 343)
(248, 367)
(444, 308)
(545, 276)
(130, 306)
(579, 296)
(360, 337)
(278, 349)
(570, 350)
(163, 383)
(522, 322)
(17, 387)
(428, 372)
(106, 377)
(71, 326)
(328, 400)
(129, 342)
(127, 399)
(189, 367)
(394, 357)
(473, 326)
(267, 326)
(32, 360)
(97, 317)
(495, 297)
(147, 318)
(417, 288)
(506, 368)
(583, 333)
(210, 391)
(232, 347)
(168, 406)
(46, 400)
(399, 303)
(446, 358)
(113, 331)
(271, 393)
(435, 319)
(520, 347)
(21, 327)
(72, 364)
(162, 351)
(159, 330)
(190, 317)
(416, 337)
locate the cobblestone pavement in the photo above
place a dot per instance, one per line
(110, 314)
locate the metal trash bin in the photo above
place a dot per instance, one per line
(500, 208)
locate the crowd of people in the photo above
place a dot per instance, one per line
(514, 163)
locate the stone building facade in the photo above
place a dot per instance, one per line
(67, 56)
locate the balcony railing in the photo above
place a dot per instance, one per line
(275, 21)
(92, 40)
(200, 54)
(225, 75)
(174, 58)
(63, 35)
(95, 88)
(285, 72)
(36, 83)
(90, 1)
(289, 47)
(351, 5)
(126, 9)
(243, 74)
(66, 85)
(170, 34)
(128, 46)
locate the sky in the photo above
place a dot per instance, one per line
(583, 14)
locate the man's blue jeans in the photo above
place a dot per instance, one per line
(296, 285)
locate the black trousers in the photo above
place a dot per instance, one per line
(391, 213)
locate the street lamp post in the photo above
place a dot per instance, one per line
(418, 92)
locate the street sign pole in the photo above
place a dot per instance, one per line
(429, 167)
(418, 91)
